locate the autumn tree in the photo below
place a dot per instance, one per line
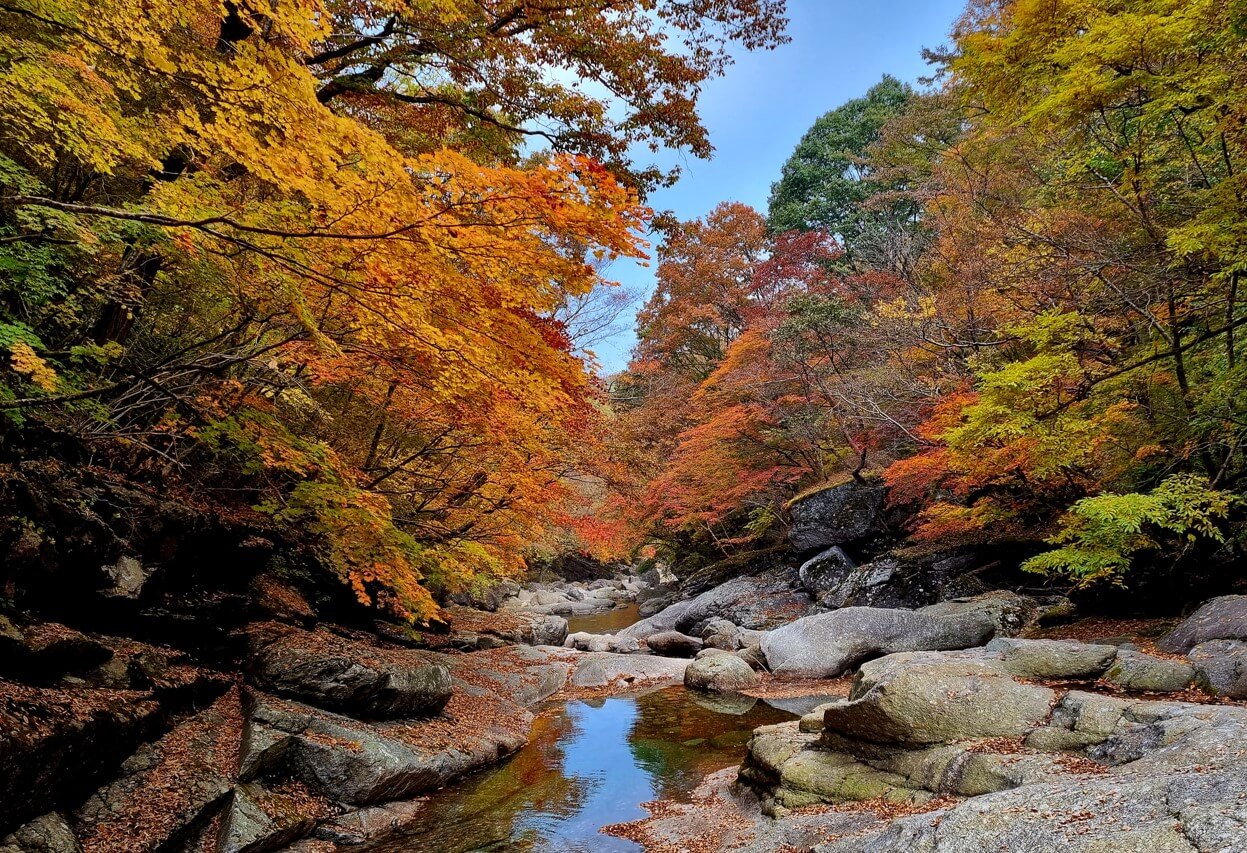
(316, 253)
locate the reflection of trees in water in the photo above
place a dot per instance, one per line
(679, 740)
(481, 812)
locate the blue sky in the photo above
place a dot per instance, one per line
(758, 112)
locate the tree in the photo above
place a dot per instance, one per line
(306, 255)
(830, 184)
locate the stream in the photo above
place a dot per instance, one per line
(590, 764)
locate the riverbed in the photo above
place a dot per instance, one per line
(590, 764)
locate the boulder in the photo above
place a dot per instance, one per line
(1052, 658)
(835, 515)
(910, 577)
(825, 572)
(258, 819)
(828, 644)
(722, 673)
(126, 578)
(1221, 667)
(544, 630)
(595, 670)
(754, 602)
(1141, 673)
(337, 674)
(47, 833)
(722, 634)
(673, 644)
(1223, 618)
(921, 698)
(585, 642)
(365, 763)
(1009, 611)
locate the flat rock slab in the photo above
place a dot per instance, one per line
(603, 669)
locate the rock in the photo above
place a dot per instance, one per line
(835, 515)
(1138, 672)
(909, 578)
(1052, 658)
(758, 601)
(586, 642)
(369, 824)
(258, 819)
(366, 763)
(754, 656)
(673, 644)
(921, 698)
(724, 673)
(828, 644)
(336, 674)
(59, 745)
(545, 630)
(605, 670)
(1009, 611)
(1221, 667)
(128, 577)
(47, 833)
(1223, 618)
(825, 572)
(167, 787)
(721, 634)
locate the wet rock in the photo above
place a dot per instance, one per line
(595, 670)
(1223, 618)
(826, 572)
(673, 644)
(1221, 667)
(828, 644)
(1052, 658)
(836, 515)
(258, 820)
(1138, 672)
(47, 833)
(723, 673)
(921, 698)
(334, 673)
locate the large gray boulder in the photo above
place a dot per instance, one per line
(825, 572)
(47, 833)
(836, 515)
(828, 644)
(720, 673)
(333, 673)
(754, 602)
(920, 698)
(1223, 618)
(1221, 667)
(673, 644)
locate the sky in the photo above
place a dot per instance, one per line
(758, 111)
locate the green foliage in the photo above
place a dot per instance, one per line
(1103, 536)
(828, 179)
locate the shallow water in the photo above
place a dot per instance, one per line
(589, 764)
(605, 623)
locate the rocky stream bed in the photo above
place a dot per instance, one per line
(820, 705)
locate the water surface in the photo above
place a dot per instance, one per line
(589, 764)
(605, 623)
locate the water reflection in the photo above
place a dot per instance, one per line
(589, 764)
(605, 623)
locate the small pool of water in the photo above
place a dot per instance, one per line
(605, 623)
(589, 764)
